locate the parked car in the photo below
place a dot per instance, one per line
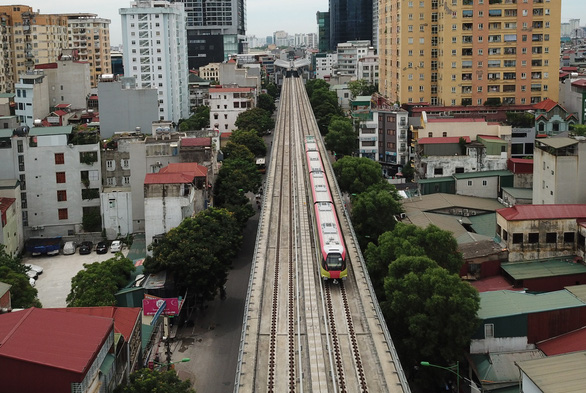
(86, 248)
(102, 248)
(116, 246)
(35, 268)
(69, 248)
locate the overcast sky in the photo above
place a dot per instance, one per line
(263, 16)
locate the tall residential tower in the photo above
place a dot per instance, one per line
(155, 53)
(469, 52)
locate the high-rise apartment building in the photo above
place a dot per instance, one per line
(28, 38)
(350, 20)
(155, 53)
(89, 40)
(323, 31)
(215, 30)
(469, 52)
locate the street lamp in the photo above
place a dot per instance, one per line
(161, 365)
(451, 369)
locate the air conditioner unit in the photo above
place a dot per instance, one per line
(473, 213)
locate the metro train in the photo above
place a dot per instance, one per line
(332, 250)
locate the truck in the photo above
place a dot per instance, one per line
(44, 245)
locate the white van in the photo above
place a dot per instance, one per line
(69, 248)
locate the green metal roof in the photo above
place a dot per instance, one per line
(107, 364)
(579, 291)
(147, 332)
(498, 368)
(5, 133)
(60, 130)
(471, 175)
(543, 268)
(6, 95)
(495, 304)
(484, 224)
(436, 180)
(522, 193)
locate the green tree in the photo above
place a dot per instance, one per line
(341, 136)
(578, 129)
(316, 84)
(234, 151)
(266, 102)
(361, 87)
(521, 120)
(411, 240)
(408, 171)
(325, 106)
(255, 119)
(356, 174)
(373, 212)
(146, 380)
(431, 313)
(199, 120)
(98, 282)
(92, 219)
(251, 140)
(22, 294)
(271, 88)
(199, 252)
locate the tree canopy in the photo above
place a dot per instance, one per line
(356, 174)
(411, 240)
(361, 87)
(13, 273)
(431, 313)
(266, 102)
(233, 151)
(146, 380)
(271, 88)
(316, 84)
(199, 252)
(255, 119)
(323, 102)
(341, 136)
(521, 120)
(251, 140)
(199, 120)
(373, 212)
(98, 282)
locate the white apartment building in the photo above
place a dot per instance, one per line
(348, 55)
(32, 98)
(367, 69)
(281, 38)
(323, 64)
(227, 103)
(155, 53)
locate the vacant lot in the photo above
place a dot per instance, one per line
(55, 283)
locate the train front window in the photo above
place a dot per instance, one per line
(334, 262)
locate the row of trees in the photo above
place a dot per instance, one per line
(324, 103)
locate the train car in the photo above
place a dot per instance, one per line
(332, 250)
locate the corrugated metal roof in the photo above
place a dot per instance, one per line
(5, 133)
(557, 374)
(61, 340)
(472, 175)
(124, 317)
(505, 303)
(542, 212)
(195, 142)
(579, 291)
(519, 193)
(543, 268)
(566, 343)
(442, 179)
(439, 140)
(546, 105)
(558, 142)
(499, 367)
(39, 131)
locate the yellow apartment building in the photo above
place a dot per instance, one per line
(469, 52)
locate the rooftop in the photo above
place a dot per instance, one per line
(519, 193)
(472, 175)
(566, 343)
(124, 317)
(494, 283)
(543, 268)
(543, 212)
(60, 130)
(446, 139)
(558, 142)
(5, 204)
(196, 142)
(496, 304)
(557, 374)
(59, 340)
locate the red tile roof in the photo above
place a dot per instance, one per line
(60, 340)
(196, 142)
(180, 173)
(546, 105)
(62, 106)
(456, 120)
(46, 66)
(496, 283)
(60, 113)
(5, 204)
(579, 83)
(437, 140)
(570, 69)
(124, 317)
(232, 90)
(564, 74)
(566, 343)
(543, 212)
(522, 160)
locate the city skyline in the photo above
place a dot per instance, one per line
(264, 17)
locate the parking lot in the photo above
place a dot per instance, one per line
(54, 284)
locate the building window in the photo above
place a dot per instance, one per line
(484, 182)
(126, 180)
(438, 171)
(470, 183)
(551, 237)
(125, 163)
(63, 214)
(505, 235)
(61, 195)
(110, 165)
(489, 330)
(517, 238)
(60, 177)
(533, 237)
(569, 237)
(59, 158)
